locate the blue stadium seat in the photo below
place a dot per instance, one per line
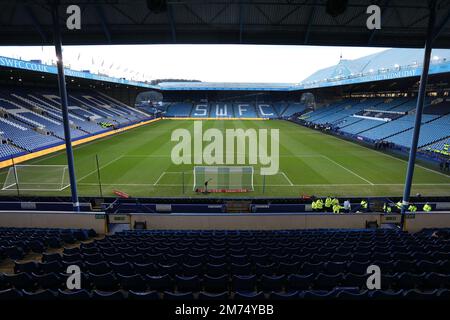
(103, 282)
(159, 283)
(132, 282)
(352, 295)
(271, 283)
(187, 284)
(107, 295)
(328, 281)
(386, 295)
(143, 295)
(125, 268)
(213, 296)
(215, 284)
(191, 270)
(249, 295)
(20, 281)
(49, 267)
(243, 283)
(29, 267)
(42, 295)
(97, 268)
(419, 295)
(299, 282)
(178, 296)
(145, 268)
(51, 281)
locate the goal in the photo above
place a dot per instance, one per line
(37, 178)
(223, 179)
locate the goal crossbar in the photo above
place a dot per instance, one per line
(37, 178)
(223, 177)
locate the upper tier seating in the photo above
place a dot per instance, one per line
(429, 133)
(361, 126)
(222, 110)
(180, 110)
(293, 108)
(234, 110)
(33, 118)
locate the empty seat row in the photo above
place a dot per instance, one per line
(110, 281)
(13, 294)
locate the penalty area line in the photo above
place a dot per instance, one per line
(287, 178)
(160, 177)
(347, 169)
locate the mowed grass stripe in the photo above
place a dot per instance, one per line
(310, 163)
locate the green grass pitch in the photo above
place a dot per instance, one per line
(311, 163)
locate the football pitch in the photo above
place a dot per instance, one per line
(138, 162)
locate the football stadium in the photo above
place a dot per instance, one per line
(333, 187)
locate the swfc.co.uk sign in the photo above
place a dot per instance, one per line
(38, 67)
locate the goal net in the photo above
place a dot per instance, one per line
(37, 178)
(223, 179)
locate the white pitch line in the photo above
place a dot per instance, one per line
(162, 174)
(288, 180)
(101, 167)
(351, 171)
(390, 156)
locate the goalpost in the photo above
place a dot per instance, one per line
(223, 179)
(37, 178)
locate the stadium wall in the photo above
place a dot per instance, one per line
(54, 219)
(40, 153)
(280, 221)
(261, 221)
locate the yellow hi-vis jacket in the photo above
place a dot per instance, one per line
(319, 204)
(336, 208)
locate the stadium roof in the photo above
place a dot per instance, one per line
(304, 22)
(225, 86)
(387, 65)
(392, 59)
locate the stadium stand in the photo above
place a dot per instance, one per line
(283, 264)
(234, 109)
(391, 120)
(15, 243)
(179, 110)
(30, 119)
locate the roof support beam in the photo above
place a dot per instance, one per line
(104, 23)
(171, 22)
(35, 22)
(310, 20)
(241, 20)
(441, 26)
(64, 106)
(419, 111)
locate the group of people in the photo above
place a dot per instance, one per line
(444, 164)
(412, 208)
(333, 205)
(383, 145)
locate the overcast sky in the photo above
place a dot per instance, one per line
(213, 63)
